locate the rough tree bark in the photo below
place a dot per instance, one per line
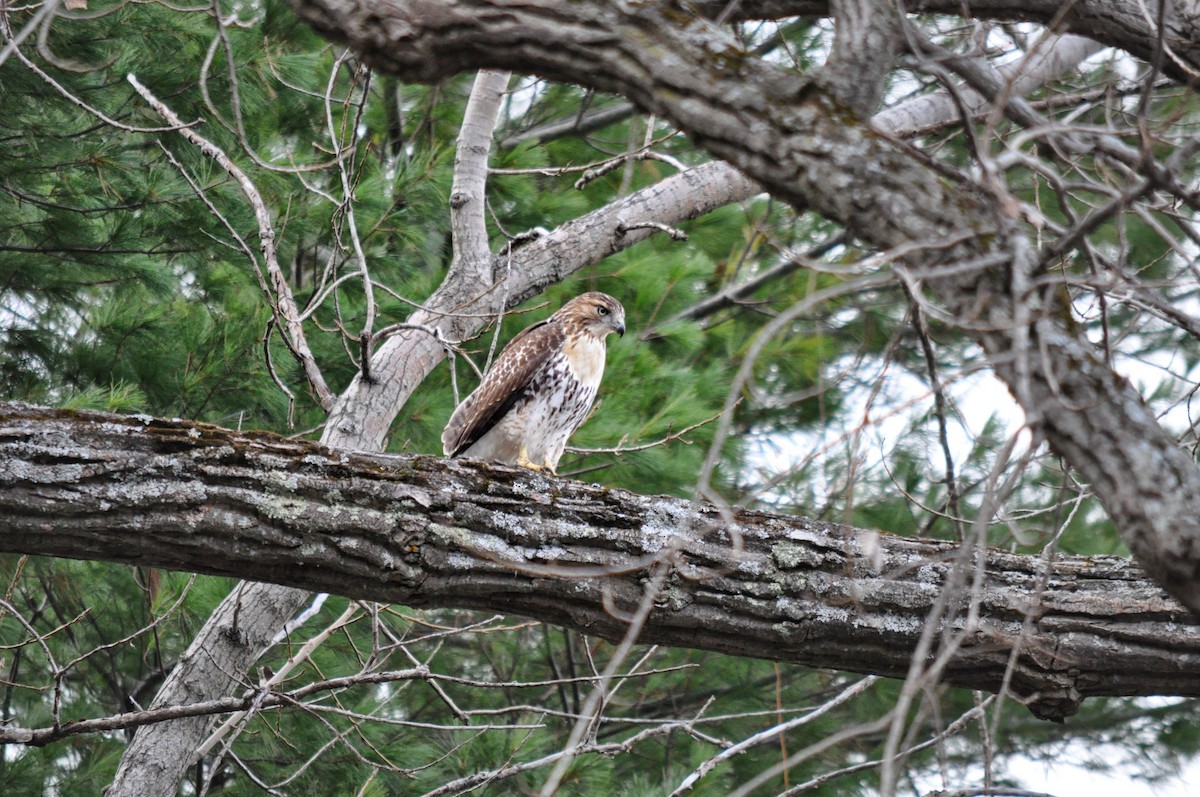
(805, 145)
(429, 532)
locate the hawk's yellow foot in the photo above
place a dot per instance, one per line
(524, 461)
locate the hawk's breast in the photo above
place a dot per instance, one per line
(563, 392)
(584, 355)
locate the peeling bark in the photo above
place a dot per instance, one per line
(429, 532)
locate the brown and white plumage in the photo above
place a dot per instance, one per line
(540, 389)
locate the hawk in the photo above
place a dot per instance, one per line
(540, 389)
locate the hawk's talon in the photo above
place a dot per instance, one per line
(524, 461)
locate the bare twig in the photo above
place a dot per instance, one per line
(264, 698)
(624, 449)
(762, 737)
(282, 302)
(43, 14)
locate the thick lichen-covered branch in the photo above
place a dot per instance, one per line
(429, 532)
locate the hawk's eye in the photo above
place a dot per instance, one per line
(602, 310)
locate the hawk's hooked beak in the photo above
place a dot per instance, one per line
(621, 329)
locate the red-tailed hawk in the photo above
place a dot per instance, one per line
(540, 389)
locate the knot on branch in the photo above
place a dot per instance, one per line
(675, 233)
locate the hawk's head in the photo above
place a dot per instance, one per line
(595, 313)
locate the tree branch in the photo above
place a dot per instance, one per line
(468, 201)
(1124, 24)
(866, 42)
(429, 532)
(282, 302)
